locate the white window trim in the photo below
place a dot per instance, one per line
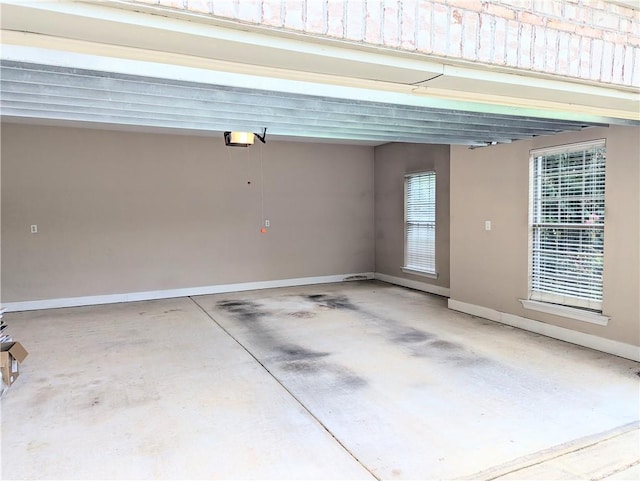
(430, 275)
(408, 270)
(566, 311)
(572, 312)
(561, 149)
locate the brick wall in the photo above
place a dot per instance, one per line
(588, 39)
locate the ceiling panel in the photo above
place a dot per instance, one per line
(65, 94)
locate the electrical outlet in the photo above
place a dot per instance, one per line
(267, 223)
(34, 229)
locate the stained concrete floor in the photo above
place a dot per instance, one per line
(358, 380)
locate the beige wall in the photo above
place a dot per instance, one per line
(125, 212)
(392, 162)
(489, 268)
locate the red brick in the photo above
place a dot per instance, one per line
(440, 28)
(562, 68)
(614, 37)
(551, 50)
(635, 78)
(531, 18)
(598, 4)
(574, 56)
(455, 34)
(562, 25)
(408, 24)
(470, 26)
(373, 22)
(200, 6)
(605, 20)
(293, 14)
(315, 18)
(473, 5)
(585, 57)
(486, 38)
(524, 47)
(596, 59)
(499, 11)
(550, 8)
(391, 23)
(588, 32)
(271, 14)
(172, 3)
(578, 14)
(513, 31)
(354, 23)
(250, 11)
(225, 8)
(627, 66)
(335, 18)
(620, 11)
(618, 62)
(423, 28)
(607, 62)
(539, 48)
(499, 40)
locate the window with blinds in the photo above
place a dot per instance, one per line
(420, 223)
(567, 225)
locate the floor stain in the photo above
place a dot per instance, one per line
(411, 335)
(311, 364)
(302, 314)
(244, 310)
(332, 302)
(292, 352)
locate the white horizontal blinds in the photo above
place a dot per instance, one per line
(420, 253)
(568, 225)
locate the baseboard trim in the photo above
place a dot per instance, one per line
(183, 292)
(621, 349)
(420, 286)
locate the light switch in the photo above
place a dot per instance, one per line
(487, 225)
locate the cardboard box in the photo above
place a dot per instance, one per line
(11, 355)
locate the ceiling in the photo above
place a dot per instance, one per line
(70, 94)
(94, 65)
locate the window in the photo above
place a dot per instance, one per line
(567, 225)
(420, 224)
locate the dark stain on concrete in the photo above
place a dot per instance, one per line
(302, 314)
(301, 367)
(313, 366)
(446, 345)
(244, 310)
(292, 352)
(332, 302)
(411, 335)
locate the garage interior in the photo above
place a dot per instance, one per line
(169, 337)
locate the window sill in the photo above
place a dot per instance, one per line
(564, 311)
(430, 275)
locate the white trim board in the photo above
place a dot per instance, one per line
(419, 286)
(628, 351)
(183, 292)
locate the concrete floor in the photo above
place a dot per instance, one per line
(360, 380)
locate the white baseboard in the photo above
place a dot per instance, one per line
(419, 286)
(184, 292)
(628, 351)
